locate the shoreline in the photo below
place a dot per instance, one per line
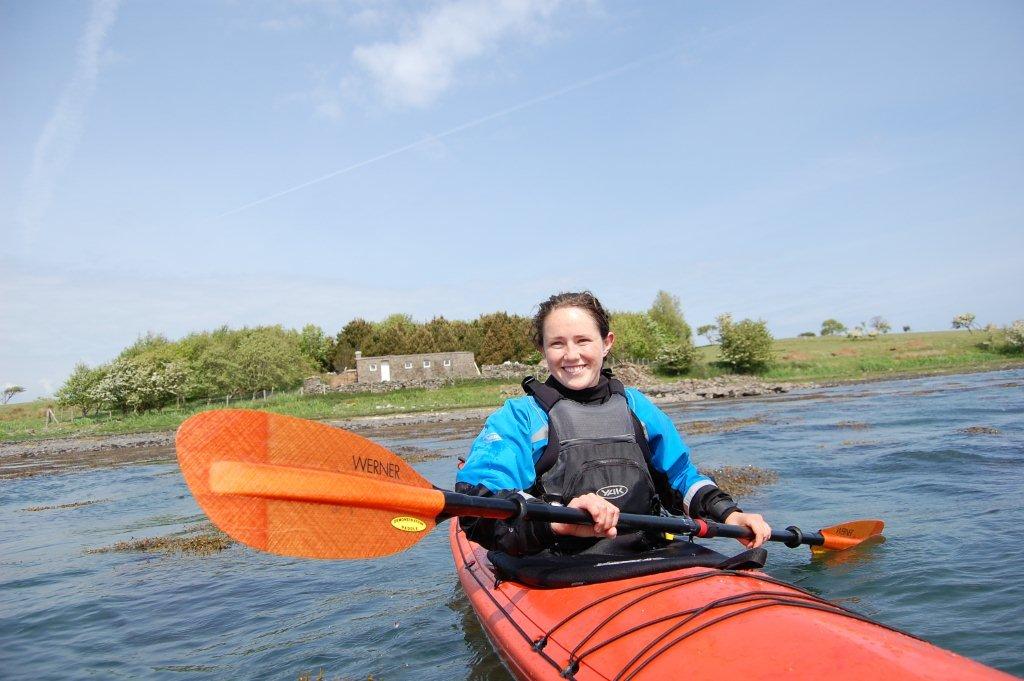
(686, 390)
(64, 454)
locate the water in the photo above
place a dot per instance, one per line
(948, 572)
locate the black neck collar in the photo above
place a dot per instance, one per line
(593, 395)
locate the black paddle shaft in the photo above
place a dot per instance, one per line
(457, 504)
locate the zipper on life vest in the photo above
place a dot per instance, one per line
(585, 440)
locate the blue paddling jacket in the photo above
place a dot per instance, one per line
(503, 459)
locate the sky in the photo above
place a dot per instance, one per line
(175, 167)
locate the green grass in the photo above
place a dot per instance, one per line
(26, 421)
(895, 354)
(798, 359)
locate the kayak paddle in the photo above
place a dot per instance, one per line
(301, 488)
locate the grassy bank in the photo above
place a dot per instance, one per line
(26, 422)
(895, 354)
(797, 359)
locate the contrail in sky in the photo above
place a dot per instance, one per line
(459, 128)
(56, 145)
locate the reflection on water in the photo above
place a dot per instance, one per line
(863, 553)
(484, 663)
(932, 457)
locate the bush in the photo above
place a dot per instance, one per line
(675, 358)
(807, 334)
(128, 385)
(746, 345)
(1015, 337)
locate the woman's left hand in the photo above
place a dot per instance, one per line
(755, 523)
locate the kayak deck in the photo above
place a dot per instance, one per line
(689, 622)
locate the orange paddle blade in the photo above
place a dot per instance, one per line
(301, 488)
(848, 535)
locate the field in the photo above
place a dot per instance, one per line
(833, 358)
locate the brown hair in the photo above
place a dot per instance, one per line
(585, 300)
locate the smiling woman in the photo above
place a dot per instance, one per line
(583, 440)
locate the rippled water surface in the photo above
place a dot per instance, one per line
(948, 572)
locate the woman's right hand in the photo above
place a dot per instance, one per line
(604, 513)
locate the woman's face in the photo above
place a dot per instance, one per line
(574, 348)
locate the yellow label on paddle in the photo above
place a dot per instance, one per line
(407, 524)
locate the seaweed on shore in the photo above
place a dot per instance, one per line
(740, 481)
(198, 540)
(74, 504)
(419, 454)
(723, 426)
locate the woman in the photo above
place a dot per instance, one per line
(583, 440)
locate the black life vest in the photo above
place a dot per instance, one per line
(599, 448)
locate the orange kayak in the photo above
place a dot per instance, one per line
(695, 622)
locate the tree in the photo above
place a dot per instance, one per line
(270, 358)
(879, 324)
(393, 336)
(964, 321)
(674, 351)
(504, 337)
(807, 334)
(443, 335)
(354, 336)
(422, 340)
(356, 333)
(79, 389)
(746, 345)
(467, 335)
(709, 331)
(636, 336)
(149, 344)
(315, 346)
(212, 361)
(343, 356)
(10, 390)
(668, 315)
(832, 327)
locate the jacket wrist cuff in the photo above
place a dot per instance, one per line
(721, 511)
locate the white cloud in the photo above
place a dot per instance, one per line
(56, 146)
(416, 70)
